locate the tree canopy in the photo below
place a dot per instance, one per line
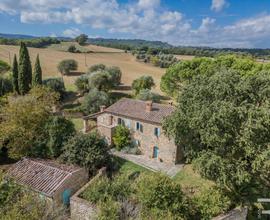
(37, 73)
(181, 73)
(81, 39)
(86, 150)
(144, 82)
(223, 123)
(25, 70)
(65, 66)
(22, 122)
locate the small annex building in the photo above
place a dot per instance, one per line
(51, 179)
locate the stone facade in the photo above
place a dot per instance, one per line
(74, 183)
(145, 138)
(81, 209)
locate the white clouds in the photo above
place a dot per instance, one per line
(207, 24)
(72, 32)
(148, 4)
(218, 5)
(142, 19)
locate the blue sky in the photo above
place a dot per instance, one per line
(214, 23)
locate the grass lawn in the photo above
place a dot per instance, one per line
(191, 182)
(126, 167)
(78, 122)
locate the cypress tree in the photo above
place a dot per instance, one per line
(15, 75)
(37, 74)
(25, 70)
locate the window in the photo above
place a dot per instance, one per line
(157, 132)
(128, 123)
(139, 127)
(120, 121)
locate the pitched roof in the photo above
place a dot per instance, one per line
(136, 109)
(44, 176)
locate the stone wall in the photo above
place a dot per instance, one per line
(235, 214)
(168, 151)
(74, 183)
(81, 209)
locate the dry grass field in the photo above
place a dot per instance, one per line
(50, 58)
(184, 57)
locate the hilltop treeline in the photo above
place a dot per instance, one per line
(34, 42)
(166, 48)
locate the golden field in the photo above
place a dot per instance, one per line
(50, 57)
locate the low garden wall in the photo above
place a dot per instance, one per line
(80, 209)
(235, 214)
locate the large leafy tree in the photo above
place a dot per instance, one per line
(25, 70)
(86, 150)
(58, 130)
(66, 66)
(22, 122)
(223, 123)
(81, 39)
(15, 75)
(37, 73)
(93, 100)
(144, 82)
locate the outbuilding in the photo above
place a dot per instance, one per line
(51, 179)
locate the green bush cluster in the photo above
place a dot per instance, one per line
(121, 137)
(100, 77)
(65, 66)
(161, 60)
(148, 95)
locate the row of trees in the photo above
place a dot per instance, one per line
(22, 78)
(35, 42)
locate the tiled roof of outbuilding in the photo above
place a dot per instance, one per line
(44, 176)
(136, 109)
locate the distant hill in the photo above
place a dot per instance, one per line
(129, 43)
(16, 36)
(28, 37)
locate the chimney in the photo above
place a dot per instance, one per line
(149, 105)
(102, 108)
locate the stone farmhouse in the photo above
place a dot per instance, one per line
(144, 119)
(54, 182)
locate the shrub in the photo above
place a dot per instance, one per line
(109, 209)
(4, 67)
(72, 49)
(144, 82)
(59, 131)
(211, 202)
(157, 191)
(100, 80)
(86, 150)
(65, 66)
(147, 95)
(5, 86)
(57, 85)
(121, 137)
(115, 75)
(93, 100)
(82, 83)
(96, 67)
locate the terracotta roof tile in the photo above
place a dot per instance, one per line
(137, 109)
(44, 176)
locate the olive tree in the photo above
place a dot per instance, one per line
(65, 66)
